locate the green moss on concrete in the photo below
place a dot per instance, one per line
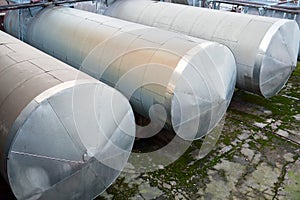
(292, 189)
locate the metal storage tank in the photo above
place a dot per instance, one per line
(265, 48)
(192, 79)
(63, 134)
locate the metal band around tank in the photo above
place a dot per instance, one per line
(182, 64)
(262, 49)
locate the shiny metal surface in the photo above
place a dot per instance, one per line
(274, 8)
(58, 127)
(192, 79)
(265, 48)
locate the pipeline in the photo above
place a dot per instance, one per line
(16, 6)
(286, 9)
(265, 48)
(63, 134)
(193, 80)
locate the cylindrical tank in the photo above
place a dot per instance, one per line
(265, 48)
(192, 79)
(63, 134)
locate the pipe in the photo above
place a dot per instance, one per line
(192, 79)
(265, 6)
(17, 6)
(60, 129)
(265, 48)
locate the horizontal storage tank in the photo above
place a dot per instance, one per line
(63, 134)
(191, 79)
(265, 48)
